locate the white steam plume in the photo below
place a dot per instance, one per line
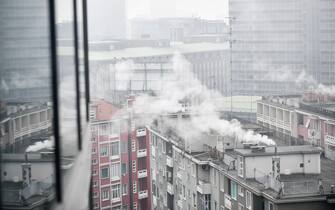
(205, 117)
(46, 144)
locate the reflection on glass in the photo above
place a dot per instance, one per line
(26, 136)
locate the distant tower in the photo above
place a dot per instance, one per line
(107, 19)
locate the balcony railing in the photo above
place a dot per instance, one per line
(154, 200)
(169, 161)
(153, 151)
(142, 194)
(142, 173)
(141, 153)
(179, 175)
(204, 187)
(170, 188)
(141, 132)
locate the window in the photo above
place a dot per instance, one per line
(95, 184)
(240, 166)
(105, 194)
(94, 161)
(124, 147)
(134, 187)
(240, 207)
(115, 149)
(271, 207)
(123, 168)
(104, 173)
(133, 145)
(104, 128)
(248, 199)
(133, 165)
(115, 170)
(240, 191)
(116, 191)
(93, 150)
(94, 172)
(233, 192)
(95, 194)
(104, 151)
(124, 189)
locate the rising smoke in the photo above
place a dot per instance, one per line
(205, 117)
(46, 144)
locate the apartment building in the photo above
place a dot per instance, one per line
(238, 176)
(120, 167)
(306, 119)
(274, 41)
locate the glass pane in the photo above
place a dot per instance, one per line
(26, 109)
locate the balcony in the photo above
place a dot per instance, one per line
(180, 204)
(204, 187)
(154, 200)
(179, 175)
(141, 132)
(169, 161)
(227, 201)
(141, 153)
(330, 140)
(170, 188)
(142, 173)
(142, 194)
(153, 151)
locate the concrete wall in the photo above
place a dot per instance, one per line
(288, 163)
(39, 171)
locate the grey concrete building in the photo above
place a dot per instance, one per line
(229, 175)
(274, 41)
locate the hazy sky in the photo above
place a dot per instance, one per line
(211, 9)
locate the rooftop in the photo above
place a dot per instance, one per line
(138, 52)
(282, 150)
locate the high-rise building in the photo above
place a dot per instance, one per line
(24, 51)
(276, 42)
(107, 19)
(120, 161)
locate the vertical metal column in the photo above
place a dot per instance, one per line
(55, 96)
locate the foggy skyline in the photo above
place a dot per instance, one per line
(212, 9)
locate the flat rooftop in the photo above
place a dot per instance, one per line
(281, 150)
(138, 52)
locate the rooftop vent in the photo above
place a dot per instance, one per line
(248, 145)
(256, 149)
